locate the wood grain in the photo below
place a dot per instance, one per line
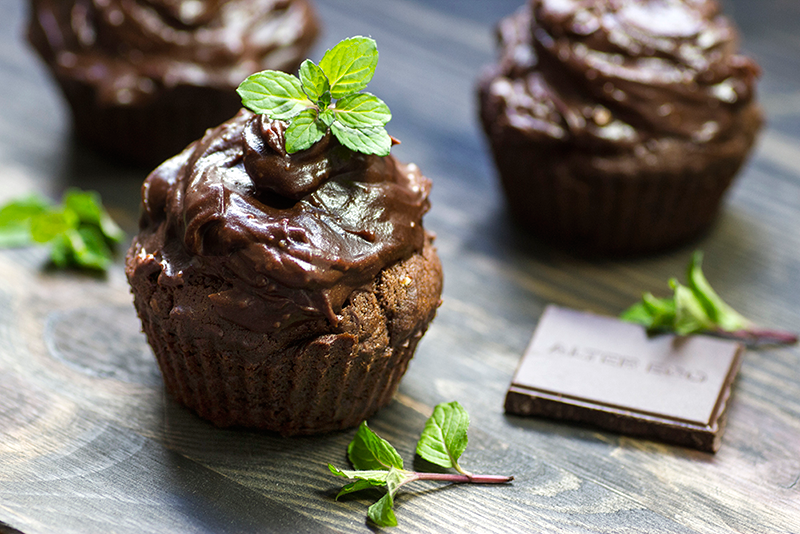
(89, 441)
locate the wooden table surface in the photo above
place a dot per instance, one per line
(90, 443)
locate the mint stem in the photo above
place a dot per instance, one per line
(467, 478)
(760, 335)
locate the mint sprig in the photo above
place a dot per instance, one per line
(79, 231)
(445, 436)
(377, 463)
(326, 96)
(696, 308)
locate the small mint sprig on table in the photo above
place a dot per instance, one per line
(79, 231)
(326, 96)
(695, 308)
(377, 463)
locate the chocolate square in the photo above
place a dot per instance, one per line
(611, 374)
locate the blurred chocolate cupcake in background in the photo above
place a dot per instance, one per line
(617, 126)
(144, 78)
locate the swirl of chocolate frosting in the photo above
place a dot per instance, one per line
(128, 49)
(293, 235)
(617, 73)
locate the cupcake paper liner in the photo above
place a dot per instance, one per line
(560, 196)
(293, 382)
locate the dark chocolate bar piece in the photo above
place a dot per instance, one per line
(609, 373)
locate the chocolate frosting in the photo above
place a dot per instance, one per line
(616, 73)
(129, 49)
(293, 234)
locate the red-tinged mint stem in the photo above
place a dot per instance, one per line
(468, 478)
(761, 335)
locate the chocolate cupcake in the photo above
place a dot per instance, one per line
(617, 126)
(283, 291)
(144, 78)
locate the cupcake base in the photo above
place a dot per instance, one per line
(305, 379)
(594, 204)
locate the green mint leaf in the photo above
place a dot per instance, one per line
(23, 209)
(111, 231)
(381, 512)
(368, 451)
(358, 485)
(324, 101)
(662, 311)
(657, 306)
(314, 81)
(697, 308)
(276, 94)
(80, 232)
(61, 252)
(84, 248)
(362, 110)
(651, 312)
(377, 476)
(85, 205)
(356, 119)
(304, 130)
(350, 65)
(89, 209)
(15, 219)
(718, 310)
(443, 440)
(445, 436)
(690, 315)
(93, 253)
(367, 140)
(327, 117)
(638, 314)
(46, 226)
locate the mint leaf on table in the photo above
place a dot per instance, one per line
(377, 463)
(52, 223)
(88, 206)
(717, 310)
(15, 219)
(690, 314)
(363, 480)
(445, 436)
(307, 104)
(653, 313)
(695, 308)
(358, 485)
(80, 232)
(381, 513)
(370, 451)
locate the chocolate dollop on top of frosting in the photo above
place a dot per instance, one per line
(128, 49)
(615, 73)
(293, 234)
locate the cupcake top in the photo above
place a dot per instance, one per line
(129, 49)
(620, 72)
(293, 234)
